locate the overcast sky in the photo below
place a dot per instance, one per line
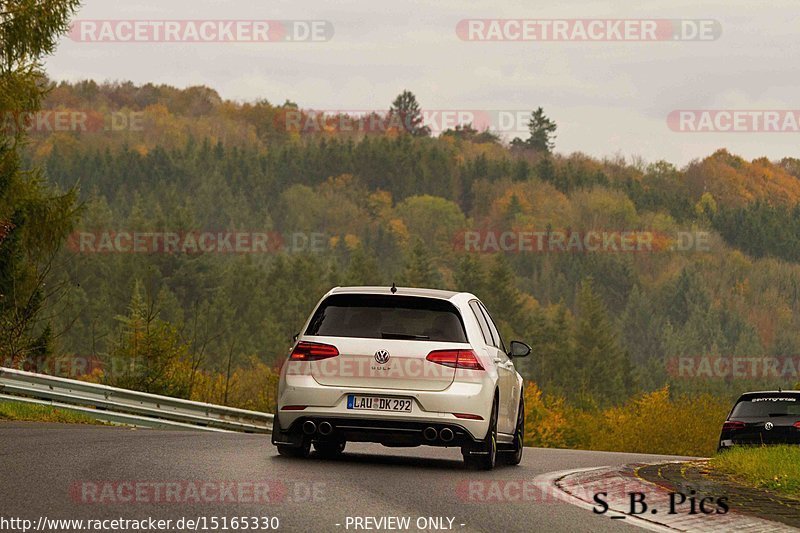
(606, 97)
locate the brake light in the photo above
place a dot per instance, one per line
(313, 351)
(732, 426)
(455, 359)
(467, 416)
(293, 407)
(797, 425)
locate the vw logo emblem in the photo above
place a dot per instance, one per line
(768, 426)
(381, 357)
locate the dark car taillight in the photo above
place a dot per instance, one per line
(455, 359)
(732, 426)
(797, 425)
(468, 416)
(313, 351)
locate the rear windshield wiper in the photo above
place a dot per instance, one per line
(390, 335)
(779, 414)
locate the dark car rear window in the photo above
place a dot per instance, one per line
(766, 406)
(387, 317)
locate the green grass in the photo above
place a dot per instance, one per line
(768, 467)
(18, 411)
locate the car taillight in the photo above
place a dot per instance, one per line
(455, 359)
(732, 426)
(797, 425)
(313, 351)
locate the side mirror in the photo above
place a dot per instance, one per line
(519, 349)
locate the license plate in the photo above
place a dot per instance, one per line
(378, 403)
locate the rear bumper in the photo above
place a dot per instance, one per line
(429, 408)
(729, 441)
(382, 431)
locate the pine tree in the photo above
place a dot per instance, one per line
(149, 355)
(514, 209)
(504, 299)
(542, 132)
(546, 170)
(522, 170)
(600, 360)
(406, 111)
(362, 269)
(470, 276)
(642, 335)
(550, 335)
(687, 295)
(420, 270)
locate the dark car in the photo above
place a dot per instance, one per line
(763, 418)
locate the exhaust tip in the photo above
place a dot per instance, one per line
(430, 433)
(446, 434)
(325, 428)
(309, 427)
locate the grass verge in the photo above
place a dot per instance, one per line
(769, 467)
(18, 411)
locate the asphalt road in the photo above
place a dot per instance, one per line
(91, 472)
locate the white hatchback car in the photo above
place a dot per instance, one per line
(401, 367)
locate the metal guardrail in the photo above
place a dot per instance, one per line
(125, 406)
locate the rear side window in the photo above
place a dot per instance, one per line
(387, 317)
(498, 340)
(767, 406)
(487, 334)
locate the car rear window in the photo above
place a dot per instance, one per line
(387, 317)
(766, 406)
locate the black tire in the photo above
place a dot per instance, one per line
(514, 455)
(297, 452)
(487, 459)
(329, 448)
